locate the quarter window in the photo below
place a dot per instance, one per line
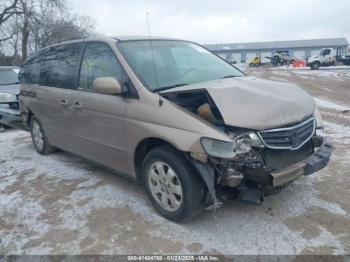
(58, 66)
(29, 72)
(98, 61)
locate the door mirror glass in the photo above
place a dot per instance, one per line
(107, 86)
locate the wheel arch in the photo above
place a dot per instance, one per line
(28, 118)
(142, 149)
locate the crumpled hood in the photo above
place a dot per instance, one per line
(11, 89)
(255, 103)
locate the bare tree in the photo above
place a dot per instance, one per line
(49, 30)
(26, 25)
(31, 12)
(8, 9)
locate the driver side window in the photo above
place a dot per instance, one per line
(326, 52)
(98, 61)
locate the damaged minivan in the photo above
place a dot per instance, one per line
(191, 128)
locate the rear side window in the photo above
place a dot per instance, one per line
(29, 73)
(99, 61)
(58, 66)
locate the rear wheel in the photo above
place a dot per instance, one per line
(39, 138)
(173, 187)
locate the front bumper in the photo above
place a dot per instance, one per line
(265, 182)
(11, 117)
(312, 164)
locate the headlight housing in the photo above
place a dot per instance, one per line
(318, 118)
(222, 149)
(247, 140)
(218, 148)
(7, 97)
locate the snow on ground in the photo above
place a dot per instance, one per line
(328, 104)
(229, 230)
(308, 68)
(241, 66)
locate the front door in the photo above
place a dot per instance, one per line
(98, 120)
(327, 57)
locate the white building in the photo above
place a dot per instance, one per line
(301, 49)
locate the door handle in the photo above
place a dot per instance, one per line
(78, 106)
(63, 102)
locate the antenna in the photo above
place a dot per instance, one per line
(148, 26)
(152, 52)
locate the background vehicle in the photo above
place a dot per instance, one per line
(328, 57)
(9, 93)
(256, 61)
(284, 58)
(232, 61)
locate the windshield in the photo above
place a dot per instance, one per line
(8, 77)
(176, 63)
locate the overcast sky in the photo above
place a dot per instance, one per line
(221, 21)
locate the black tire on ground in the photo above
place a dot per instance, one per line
(46, 148)
(251, 65)
(193, 188)
(315, 65)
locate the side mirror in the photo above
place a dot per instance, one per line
(107, 86)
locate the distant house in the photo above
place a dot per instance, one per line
(244, 52)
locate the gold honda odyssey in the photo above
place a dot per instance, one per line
(191, 128)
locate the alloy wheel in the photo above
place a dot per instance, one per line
(165, 186)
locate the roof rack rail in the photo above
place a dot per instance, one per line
(65, 40)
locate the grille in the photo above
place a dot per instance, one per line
(282, 158)
(292, 137)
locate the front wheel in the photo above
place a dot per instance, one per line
(39, 138)
(315, 65)
(172, 185)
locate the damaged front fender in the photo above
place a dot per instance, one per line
(207, 173)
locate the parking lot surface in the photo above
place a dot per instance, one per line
(61, 204)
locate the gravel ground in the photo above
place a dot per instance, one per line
(61, 204)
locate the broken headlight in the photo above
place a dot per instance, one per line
(241, 144)
(218, 148)
(246, 141)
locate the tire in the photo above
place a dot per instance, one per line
(315, 65)
(251, 65)
(183, 193)
(39, 138)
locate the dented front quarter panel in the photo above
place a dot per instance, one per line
(152, 116)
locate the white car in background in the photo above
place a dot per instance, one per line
(9, 94)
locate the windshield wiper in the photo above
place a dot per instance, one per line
(7, 84)
(169, 87)
(228, 76)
